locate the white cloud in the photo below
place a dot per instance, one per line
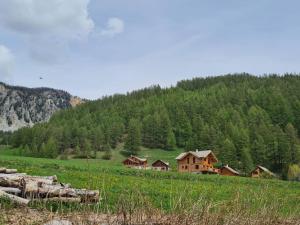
(114, 26)
(6, 63)
(63, 18)
(48, 26)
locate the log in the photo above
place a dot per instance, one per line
(88, 195)
(11, 171)
(56, 191)
(16, 179)
(2, 170)
(46, 187)
(13, 198)
(11, 190)
(59, 200)
(10, 180)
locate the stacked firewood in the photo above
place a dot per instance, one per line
(22, 189)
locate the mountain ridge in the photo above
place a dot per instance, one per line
(24, 107)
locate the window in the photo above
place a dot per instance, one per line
(186, 167)
(182, 167)
(194, 159)
(188, 160)
(197, 167)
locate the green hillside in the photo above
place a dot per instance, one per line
(245, 120)
(167, 191)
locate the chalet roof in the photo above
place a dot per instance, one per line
(166, 163)
(140, 159)
(198, 154)
(265, 170)
(231, 170)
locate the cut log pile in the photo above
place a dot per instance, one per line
(22, 189)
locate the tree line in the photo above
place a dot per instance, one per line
(246, 120)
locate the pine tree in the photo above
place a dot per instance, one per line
(87, 148)
(50, 149)
(259, 150)
(166, 138)
(107, 152)
(291, 133)
(98, 138)
(77, 150)
(133, 139)
(183, 128)
(171, 141)
(229, 153)
(246, 164)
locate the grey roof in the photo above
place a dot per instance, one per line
(198, 154)
(230, 169)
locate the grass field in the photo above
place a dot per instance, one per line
(169, 191)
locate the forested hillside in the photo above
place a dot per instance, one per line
(245, 120)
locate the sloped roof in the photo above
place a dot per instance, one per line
(198, 154)
(166, 163)
(140, 159)
(265, 170)
(230, 169)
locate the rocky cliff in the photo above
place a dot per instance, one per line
(20, 106)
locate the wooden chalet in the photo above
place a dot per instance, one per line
(160, 165)
(228, 171)
(134, 161)
(260, 170)
(197, 162)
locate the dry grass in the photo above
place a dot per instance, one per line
(137, 210)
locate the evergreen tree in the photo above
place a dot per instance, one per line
(50, 149)
(133, 139)
(183, 128)
(291, 133)
(229, 153)
(87, 148)
(107, 152)
(171, 141)
(246, 163)
(258, 115)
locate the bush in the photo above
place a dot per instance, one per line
(294, 173)
(107, 155)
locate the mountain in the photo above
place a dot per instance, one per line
(23, 107)
(246, 120)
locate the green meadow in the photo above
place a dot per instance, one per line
(167, 191)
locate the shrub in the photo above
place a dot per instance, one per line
(107, 155)
(294, 172)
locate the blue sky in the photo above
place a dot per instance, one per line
(101, 47)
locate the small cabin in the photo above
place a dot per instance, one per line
(135, 162)
(260, 170)
(228, 171)
(160, 165)
(197, 162)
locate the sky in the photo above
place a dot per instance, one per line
(93, 48)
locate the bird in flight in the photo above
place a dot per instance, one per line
(41, 78)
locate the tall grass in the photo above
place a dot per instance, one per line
(135, 209)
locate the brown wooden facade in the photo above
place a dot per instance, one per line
(197, 162)
(228, 171)
(260, 170)
(160, 165)
(134, 161)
